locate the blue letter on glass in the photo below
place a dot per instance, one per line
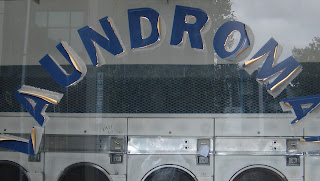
(134, 16)
(288, 68)
(315, 139)
(222, 35)
(35, 101)
(297, 102)
(58, 74)
(180, 25)
(18, 145)
(90, 38)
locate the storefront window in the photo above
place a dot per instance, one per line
(113, 89)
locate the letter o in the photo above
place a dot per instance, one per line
(222, 36)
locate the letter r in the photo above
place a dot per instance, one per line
(180, 26)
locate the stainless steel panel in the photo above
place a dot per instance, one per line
(163, 145)
(171, 126)
(80, 143)
(86, 126)
(292, 146)
(250, 146)
(256, 126)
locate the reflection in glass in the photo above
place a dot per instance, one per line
(59, 34)
(41, 19)
(58, 19)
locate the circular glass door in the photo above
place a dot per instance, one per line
(10, 171)
(169, 173)
(84, 172)
(258, 173)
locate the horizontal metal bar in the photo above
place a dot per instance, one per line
(164, 145)
(81, 143)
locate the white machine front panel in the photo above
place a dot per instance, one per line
(87, 126)
(17, 124)
(23, 160)
(171, 126)
(311, 130)
(227, 166)
(312, 167)
(36, 176)
(256, 126)
(139, 165)
(55, 163)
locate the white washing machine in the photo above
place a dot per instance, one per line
(85, 149)
(168, 149)
(257, 148)
(15, 166)
(312, 150)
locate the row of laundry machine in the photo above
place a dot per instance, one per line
(161, 148)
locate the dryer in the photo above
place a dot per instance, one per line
(85, 149)
(257, 148)
(168, 148)
(311, 149)
(15, 166)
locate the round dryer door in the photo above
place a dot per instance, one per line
(10, 171)
(169, 173)
(258, 173)
(84, 172)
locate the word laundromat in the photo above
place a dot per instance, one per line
(276, 75)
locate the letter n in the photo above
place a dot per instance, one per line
(90, 38)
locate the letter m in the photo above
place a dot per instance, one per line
(277, 77)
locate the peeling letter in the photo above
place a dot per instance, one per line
(134, 16)
(284, 71)
(91, 38)
(180, 25)
(29, 146)
(297, 104)
(222, 36)
(58, 73)
(35, 101)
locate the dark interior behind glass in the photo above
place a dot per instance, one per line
(259, 174)
(84, 172)
(169, 174)
(10, 171)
